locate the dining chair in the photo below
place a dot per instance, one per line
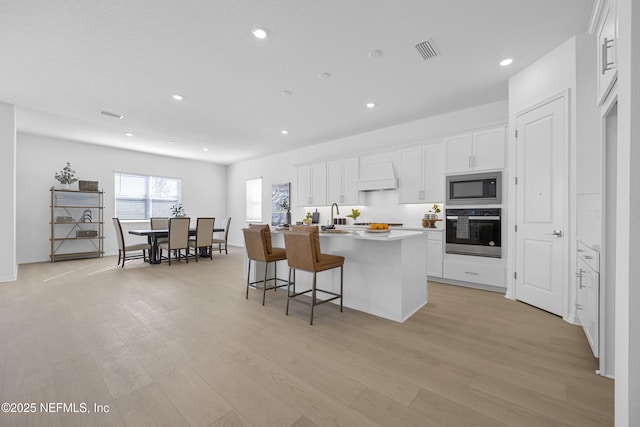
(178, 238)
(204, 236)
(223, 241)
(123, 248)
(302, 246)
(160, 223)
(257, 242)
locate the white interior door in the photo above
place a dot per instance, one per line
(540, 206)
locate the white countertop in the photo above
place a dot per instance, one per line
(352, 233)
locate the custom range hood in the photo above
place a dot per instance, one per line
(377, 176)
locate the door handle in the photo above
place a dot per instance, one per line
(557, 233)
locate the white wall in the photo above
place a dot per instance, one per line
(8, 262)
(627, 386)
(204, 186)
(383, 205)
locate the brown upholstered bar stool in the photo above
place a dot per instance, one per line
(257, 241)
(302, 245)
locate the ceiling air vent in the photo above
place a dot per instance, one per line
(427, 50)
(106, 113)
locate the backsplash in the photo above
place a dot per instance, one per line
(378, 206)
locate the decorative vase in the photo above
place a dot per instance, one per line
(65, 186)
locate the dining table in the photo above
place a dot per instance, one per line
(153, 237)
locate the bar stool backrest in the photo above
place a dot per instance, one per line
(300, 250)
(257, 242)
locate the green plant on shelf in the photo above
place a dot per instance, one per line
(66, 175)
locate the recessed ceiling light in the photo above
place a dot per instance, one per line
(284, 132)
(171, 142)
(128, 134)
(375, 53)
(259, 33)
(506, 62)
(324, 75)
(178, 97)
(205, 149)
(371, 104)
(287, 93)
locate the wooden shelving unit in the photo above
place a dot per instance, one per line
(77, 224)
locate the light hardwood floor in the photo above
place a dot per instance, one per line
(180, 345)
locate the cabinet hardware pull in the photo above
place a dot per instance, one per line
(472, 272)
(579, 307)
(606, 45)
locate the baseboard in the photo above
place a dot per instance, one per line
(480, 286)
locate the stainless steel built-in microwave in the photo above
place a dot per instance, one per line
(474, 189)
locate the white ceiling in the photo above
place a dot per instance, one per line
(64, 61)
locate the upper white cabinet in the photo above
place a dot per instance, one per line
(411, 183)
(312, 185)
(433, 172)
(422, 174)
(476, 151)
(607, 36)
(342, 176)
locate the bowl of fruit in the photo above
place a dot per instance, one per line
(377, 228)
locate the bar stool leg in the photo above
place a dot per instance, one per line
(248, 274)
(289, 289)
(341, 297)
(264, 283)
(313, 297)
(275, 276)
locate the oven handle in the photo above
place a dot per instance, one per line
(478, 218)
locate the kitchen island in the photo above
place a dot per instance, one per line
(385, 274)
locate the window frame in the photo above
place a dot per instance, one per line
(253, 206)
(148, 197)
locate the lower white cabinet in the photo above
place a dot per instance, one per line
(482, 271)
(434, 253)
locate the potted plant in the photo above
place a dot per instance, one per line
(178, 211)
(285, 205)
(431, 217)
(355, 213)
(307, 219)
(66, 177)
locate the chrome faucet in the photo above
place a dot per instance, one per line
(337, 211)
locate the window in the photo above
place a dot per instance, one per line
(254, 200)
(143, 197)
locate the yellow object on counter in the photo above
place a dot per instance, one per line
(379, 226)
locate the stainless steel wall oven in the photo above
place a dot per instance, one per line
(474, 232)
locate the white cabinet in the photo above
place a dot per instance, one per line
(434, 253)
(411, 183)
(607, 37)
(312, 185)
(433, 172)
(476, 151)
(422, 174)
(479, 271)
(342, 176)
(588, 295)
